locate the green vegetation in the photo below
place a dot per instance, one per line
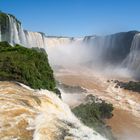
(93, 114)
(134, 86)
(131, 85)
(28, 66)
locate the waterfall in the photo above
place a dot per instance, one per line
(35, 39)
(132, 61)
(111, 49)
(15, 34)
(13, 30)
(58, 122)
(98, 51)
(38, 115)
(57, 41)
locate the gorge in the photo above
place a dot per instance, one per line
(85, 62)
(118, 50)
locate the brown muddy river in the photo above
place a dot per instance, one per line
(125, 123)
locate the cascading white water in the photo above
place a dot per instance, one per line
(35, 39)
(72, 53)
(57, 41)
(13, 27)
(58, 122)
(39, 115)
(16, 35)
(132, 61)
(22, 36)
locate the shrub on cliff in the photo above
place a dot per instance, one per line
(28, 66)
